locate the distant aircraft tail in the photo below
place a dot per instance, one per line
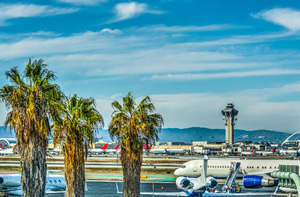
(273, 150)
(117, 147)
(252, 150)
(104, 147)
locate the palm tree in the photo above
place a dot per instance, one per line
(133, 126)
(32, 101)
(75, 132)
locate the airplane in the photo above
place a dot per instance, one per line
(290, 152)
(168, 151)
(248, 153)
(9, 151)
(217, 168)
(197, 186)
(11, 184)
(98, 150)
(113, 151)
(266, 153)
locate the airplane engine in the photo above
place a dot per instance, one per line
(12, 181)
(184, 184)
(250, 181)
(188, 184)
(211, 182)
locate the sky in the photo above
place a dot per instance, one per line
(191, 57)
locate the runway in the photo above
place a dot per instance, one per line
(94, 165)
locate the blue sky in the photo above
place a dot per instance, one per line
(190, 56)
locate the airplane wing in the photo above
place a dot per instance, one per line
(164, 193)
(206, 194)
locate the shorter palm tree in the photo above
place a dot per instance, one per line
(133, 126)
(75, 132)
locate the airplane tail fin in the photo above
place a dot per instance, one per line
(252, 150)
(104, 147)
(150, 146)
(117, 147)
(273, 150)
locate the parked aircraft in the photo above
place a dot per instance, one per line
(113, 151)
(7, 151)
(266, 153)
(218, 168)
(98, 150)
(11, 184)
(168, 151)
(248, 153)
(197, 186)
(290, 152)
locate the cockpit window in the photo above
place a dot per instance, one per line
(183, 166)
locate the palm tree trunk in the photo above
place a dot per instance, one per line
(74, 168)
(34, 168)
(131, 164)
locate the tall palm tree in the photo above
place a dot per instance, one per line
(32, 100)
(133, 126)
(75, 132)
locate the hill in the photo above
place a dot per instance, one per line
(188, 135)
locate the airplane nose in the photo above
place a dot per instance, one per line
(177, 172)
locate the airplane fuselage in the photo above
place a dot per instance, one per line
(219, 168)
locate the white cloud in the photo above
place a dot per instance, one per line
(286, 17)
(174, 29)
(112, 31)
(83, 2)
(193, 76)
(12, 11)
(126, 11)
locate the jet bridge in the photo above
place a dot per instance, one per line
(289, 180)
(231, 177)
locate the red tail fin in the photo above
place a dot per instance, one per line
(273, 150)
(150, 146)
(252, 150)
(117, 147)
(104, 147)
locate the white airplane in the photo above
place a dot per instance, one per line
(98, 150)
(290, 152)
(258, 169)
(168, 151)
(116, 150)
(11, 184)
(266, 153)
(248, 153)
(7, 151)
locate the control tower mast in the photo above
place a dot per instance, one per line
(229, 112)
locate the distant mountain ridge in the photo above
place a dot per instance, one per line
(205, 134)
(188, 135)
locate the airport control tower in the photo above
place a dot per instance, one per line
(229, 112)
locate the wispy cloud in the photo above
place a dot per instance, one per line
(130, 10)
(286, 17)
(255, 73)
(83, 2)
(13, 11)
(178, 29)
